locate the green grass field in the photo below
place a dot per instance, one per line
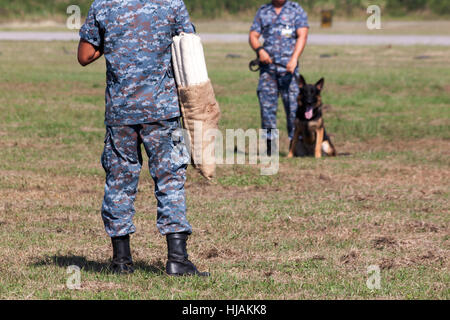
(309, 232)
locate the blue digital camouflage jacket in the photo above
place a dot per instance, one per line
(135, 36)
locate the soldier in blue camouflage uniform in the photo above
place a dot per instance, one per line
(141, 100)
(284, 27)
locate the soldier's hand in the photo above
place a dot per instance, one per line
(264, 57)
(291, 65)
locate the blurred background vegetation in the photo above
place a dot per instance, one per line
(209, 9)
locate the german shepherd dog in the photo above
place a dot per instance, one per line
(309, 123)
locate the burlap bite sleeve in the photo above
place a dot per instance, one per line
(201, 113)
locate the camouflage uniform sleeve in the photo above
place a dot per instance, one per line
(182, 21)
(90, 30)
(301, 19)
(257, 25)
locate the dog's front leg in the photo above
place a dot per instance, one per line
(319, 140)
(294, 141)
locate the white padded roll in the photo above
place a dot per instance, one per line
(195, 61)
(177, 64)
(200, 55)
(189, 60)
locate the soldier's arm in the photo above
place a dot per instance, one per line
(90, 47)
(253, 39)
(302, 37)
(87, 53)
(182, 20)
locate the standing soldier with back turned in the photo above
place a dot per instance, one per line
(135, 37)
(284, 27)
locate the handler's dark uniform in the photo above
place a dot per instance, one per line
(141, 108)
(280, 37)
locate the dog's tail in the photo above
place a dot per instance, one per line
(327, 145)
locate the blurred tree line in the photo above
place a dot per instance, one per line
(214, 8)
(217, 8)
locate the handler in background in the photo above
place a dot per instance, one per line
(141, 109)
(284, 27)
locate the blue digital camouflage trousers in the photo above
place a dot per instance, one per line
(122, 160)
(272, 83)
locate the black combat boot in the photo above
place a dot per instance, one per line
(122, 262)
(177, 260)
(269, 147)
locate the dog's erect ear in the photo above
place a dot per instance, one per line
(301, 82)
(320, 83)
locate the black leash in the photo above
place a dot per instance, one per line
(255, 66)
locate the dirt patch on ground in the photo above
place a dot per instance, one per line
(341, 89)
(383, 242)
(350, 257)
(90, 129)
(421, 226)
(378, 144)
(26, 87)
(429, 258)
(58, 89)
